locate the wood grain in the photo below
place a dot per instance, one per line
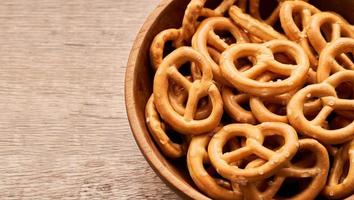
(63, 127)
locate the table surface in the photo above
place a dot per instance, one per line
(64, 133)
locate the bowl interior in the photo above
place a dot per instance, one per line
(139, 85)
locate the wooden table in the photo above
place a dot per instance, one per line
(64, 133)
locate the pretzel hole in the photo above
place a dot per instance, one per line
(242, 164)
(345, 171)
(186, 69)
(297, 16)
(284, 58)
(326, 31)
(174, 136)
(233, 143)
(345, 90)
(168, 48)
(304, 158)
(273, 142)
(276, 108)
(344, 63)
(292, 186)
(221, 181)
(245, 63)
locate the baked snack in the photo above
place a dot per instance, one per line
(259, 106)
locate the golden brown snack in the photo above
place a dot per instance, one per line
(255, 135)
(264, 61)
(341, 178)
(158, 131)
(315, 168)
(259, 29)
(332, 26)
(328, 63)
(206, 37)
(168, 70)
(327, 93)
(304, 10)
(197, 157)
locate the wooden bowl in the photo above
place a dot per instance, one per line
(138, 88)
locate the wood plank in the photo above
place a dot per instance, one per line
(63, 129)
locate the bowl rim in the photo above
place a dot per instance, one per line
(181, 188)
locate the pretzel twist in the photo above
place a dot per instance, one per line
(318, 173)
(158, 131)
(333, 26)
(196, 158)
(259, 29)
(223, 162)
(186, 123)
(328, 63)
(326, 92)
(205, 37)
(264, 61)
(291, 29)
(340, 185)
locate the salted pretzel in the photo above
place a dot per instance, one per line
(177, 36)
(341, 183)
(304, 10)
(232, 105)
(158, 131)
(196, 158)
(259, 29)
(333, 27)
(255, 135)
(302, 169)
(168, 70)
(328, 63)
(264, 61)
(206, 36)
(327, 94)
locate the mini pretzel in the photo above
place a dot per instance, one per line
(326, 92)
(196, 158)
(233, 102)
(305, 11)
(339, 28)
(205, 36)
(158, 132)
(318, 173)
(264, 61)
(178, 36)
(186, 123)
(339, 187)
(255, 136)
(252, 25)
(328, 63)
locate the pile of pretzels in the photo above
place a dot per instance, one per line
(260, 108)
